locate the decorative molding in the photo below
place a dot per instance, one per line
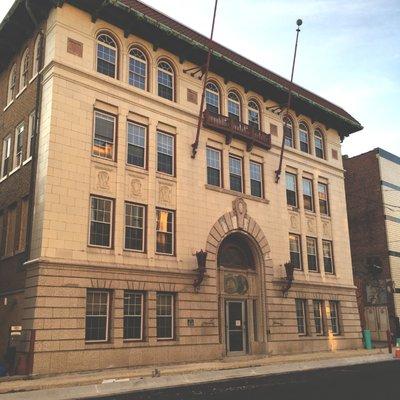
(239, 207)
(136, 187)
(164, 194)
(103, 180)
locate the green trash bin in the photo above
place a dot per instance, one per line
(367, 339)
(398, 342)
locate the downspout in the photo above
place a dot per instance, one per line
(35, 132)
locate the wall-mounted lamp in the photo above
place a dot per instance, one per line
(201, 257)
(288, 280)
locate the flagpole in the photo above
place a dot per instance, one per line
(195, 145)
(279, 170)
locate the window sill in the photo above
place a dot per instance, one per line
(27, 160)
(14, 170)
(33, 78)
(310, 213)
(105, 161)
(8, 105)
(127, 341)
(236, 194)
(165, 255)
(20, 92)
(93, 246)
(293, 208)
(135, 168)
(3, 178)
(90, 342)
(326, 217)
(166, 176)
(130, 251)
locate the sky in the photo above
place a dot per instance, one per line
(349, 52)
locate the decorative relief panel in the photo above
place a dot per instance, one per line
(294, 222)
(327, 228)
(311, 225)
(103, 179)
(166, 193)
(136, 187)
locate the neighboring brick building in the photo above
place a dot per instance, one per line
(121, 209)
(373, 206)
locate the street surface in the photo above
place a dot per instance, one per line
(378, 381)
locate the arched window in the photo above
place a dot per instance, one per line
(137, 68)
(304, 137)
(319, 144)
(165, 80)
(212, 98)
(107, 55)
(24, 71)
(235, 252)
(254, 114)
(234, 106)
(12, 83)
(36, 55)
(288, 131)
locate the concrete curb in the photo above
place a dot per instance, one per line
(118, 386)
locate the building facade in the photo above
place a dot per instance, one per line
(373, 205)
(123, 213)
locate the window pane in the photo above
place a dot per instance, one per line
(212, 101)
(291, 189)
(165, 231)
(137, 70)
(304, 138)
(136, 144)
(106, 60)
(308, 194)
(235, 170)
(328, 257)
(100, 222)
(103, 143)
(165, 149)
(213, 167)
(165, 85)
(295, 253)
(133, 314)
(301, 316)
(312, 254)
(96, 315)
(134, 227)
(256, 179)
(323, 198)
(318, 319)
(164, 313)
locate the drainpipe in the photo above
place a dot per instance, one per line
(35, 131)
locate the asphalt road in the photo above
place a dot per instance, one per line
(361, 382)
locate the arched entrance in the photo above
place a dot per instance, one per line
(240, 254)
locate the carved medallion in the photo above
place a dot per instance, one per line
(136, 187)
(165, 194)
(325, 228)
(310, 225)
(294, 223)
(103, 180)
(236, 284)
(239, 207)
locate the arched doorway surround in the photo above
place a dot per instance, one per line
(240, 254)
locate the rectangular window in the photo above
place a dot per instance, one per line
(328, 257)
(312, 254)
(165, 153)
(134, 227)
(165, 316)
(101, 215)
(213, 167)
(136, 145)
(295, 251)
(318, 317)
(235, 173)
(31, 127)
(301, 316)
(334, 316)
(97, 315)
(11, 223)
(23, 224)
(106, 58)
(291, 189)
(308, 194)
(165, 231)
(133, 315)
(256, 179)
(323, 198)
(104, 135)
(6, 157)
(18, 144)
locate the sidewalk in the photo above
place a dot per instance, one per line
(80, 385)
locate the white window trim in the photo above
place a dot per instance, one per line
(114, 135)
(141, 319)
(146, 77)
(262, 178)
(110, 47)
(172, 233)
(220, 165)
(173, 153)
(107, 320)
(16, 135)
(143, 229)
(172, 74)
(304, 309)
(111, 222)
(241, 172)
(172, 337)
(145, 145)
(3, 158)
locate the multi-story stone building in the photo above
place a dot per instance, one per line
(121, 210)
(373, 206)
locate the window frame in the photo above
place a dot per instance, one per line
(324, 241)
(145, 148)
(172, 233)
(12, 85)
(335, 307)
(315, 241)
(237, 102)
(255, 109)
(144, 228)
(216, 93)
(112, 216)
(297, 237)
(36, 56)
(31, 128)
(172, 315)
(310, 181)
(233, 156)
(115, 118)
(173, 153)
(289, 125)
(328, 212)
(318, 132)
(138, 59)
(303, 317)
(6, 149)
(296, 191)
(261, 166)
(173, 79)
(304, 130)
(108, 316)
(321, 318)
(18, 151)
(142, 316)
(115, 49)
(220, 155)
